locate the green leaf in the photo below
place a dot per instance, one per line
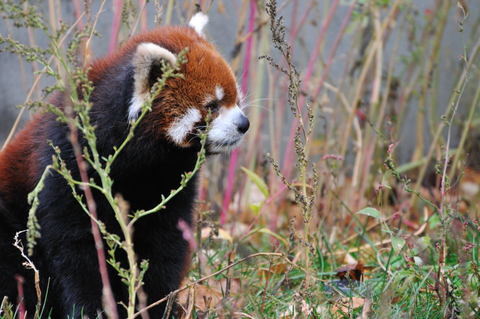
(397, 243)
(370, 211)
(427, 241)
(255, 208)
(258, 181)
(434, 221)
(271, 233)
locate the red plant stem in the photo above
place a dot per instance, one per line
(277, 197)
(21, 297)
(244, 86)
(288, 157)
(83, 48)
(294, 15)
(77, 8)
(281, 104)
(116, 22)
(92, 208)
(187, 234)
(249, 45)
(333, 50)
(143, 15)
(297, 27)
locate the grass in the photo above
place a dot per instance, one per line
(332, 208)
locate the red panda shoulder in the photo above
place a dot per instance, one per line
(19, 162)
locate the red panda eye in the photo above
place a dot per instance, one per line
(213, 106)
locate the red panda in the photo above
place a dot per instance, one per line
(164, 146)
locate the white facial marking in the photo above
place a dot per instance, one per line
(219, 93)
(224, 134)
(198, 22)
(146, 54)
(184, 125)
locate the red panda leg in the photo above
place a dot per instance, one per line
(74, 277)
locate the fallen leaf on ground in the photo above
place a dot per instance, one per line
(346, 304)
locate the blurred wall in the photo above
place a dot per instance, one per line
(16, 75)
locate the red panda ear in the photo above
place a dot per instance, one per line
(198, 22)
(146, 63)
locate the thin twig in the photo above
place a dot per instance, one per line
(158, 302)
(35, 83)
(244, 87)
(92, 208)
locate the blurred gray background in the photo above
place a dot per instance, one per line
(16, 75)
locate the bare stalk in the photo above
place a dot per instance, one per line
(452, 103)
(109, 299)
(196, 282)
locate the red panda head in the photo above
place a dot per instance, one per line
(208, 86)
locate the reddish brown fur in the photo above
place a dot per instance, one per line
(201, 74)
(66, 244)
(20, 175)
(204, 70)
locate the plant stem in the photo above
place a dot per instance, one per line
(196, 282)
(466, 128)
(102, 264)
(451, 104)
(116, 24)
(227, 197)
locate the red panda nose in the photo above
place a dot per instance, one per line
(243, 124)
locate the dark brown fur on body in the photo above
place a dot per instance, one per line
(150, 166)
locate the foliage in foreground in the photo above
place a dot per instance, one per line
(334, 228)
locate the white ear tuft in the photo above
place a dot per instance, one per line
(146, 55)
(151, 52)
(198, 22)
